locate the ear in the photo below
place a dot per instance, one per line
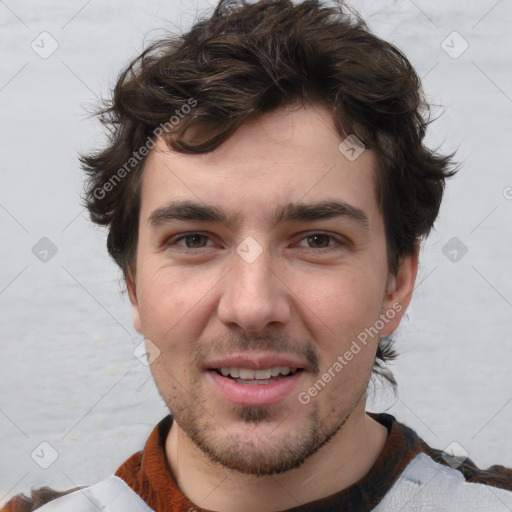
(132, 293)
(399, 292)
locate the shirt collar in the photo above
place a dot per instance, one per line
(149, 475)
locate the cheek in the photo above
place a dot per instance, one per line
(171, 309)
(345, 302)
(342, 308)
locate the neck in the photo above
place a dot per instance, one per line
(340, 463)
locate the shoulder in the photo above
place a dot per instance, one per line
(109, 495)
(22, 503)
(426, 484)
(436, 480)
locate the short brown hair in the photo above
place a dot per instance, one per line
(247, 59)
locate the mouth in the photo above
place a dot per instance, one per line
(247, 376)
(246, 386)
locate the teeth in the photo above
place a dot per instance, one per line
(262, 374)
(247, 374)
(243, 373)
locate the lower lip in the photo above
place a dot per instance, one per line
(255, 394)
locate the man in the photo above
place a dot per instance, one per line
(266, 189)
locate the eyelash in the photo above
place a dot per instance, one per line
(338, 242)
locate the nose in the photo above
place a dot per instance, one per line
(254, 294)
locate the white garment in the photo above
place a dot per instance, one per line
(424, 486)
(109, 495)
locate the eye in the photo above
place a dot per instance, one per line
(320, 240)
(192, 240)
(196, 241)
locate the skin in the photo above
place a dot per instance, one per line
(308, 296)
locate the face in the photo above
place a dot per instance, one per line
(263, 258)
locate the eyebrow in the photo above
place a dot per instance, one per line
(189, 210)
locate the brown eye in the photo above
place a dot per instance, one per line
(322, 241)
(318, 239)
(192, 241)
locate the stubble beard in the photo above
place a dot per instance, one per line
(269, 456)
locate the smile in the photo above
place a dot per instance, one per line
(243, 386)
(245, 375)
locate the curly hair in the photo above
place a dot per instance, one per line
(248, 59)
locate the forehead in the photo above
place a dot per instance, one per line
(289, 155)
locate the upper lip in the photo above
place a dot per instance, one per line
(255, 361)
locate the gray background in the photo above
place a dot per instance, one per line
(68, 376)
